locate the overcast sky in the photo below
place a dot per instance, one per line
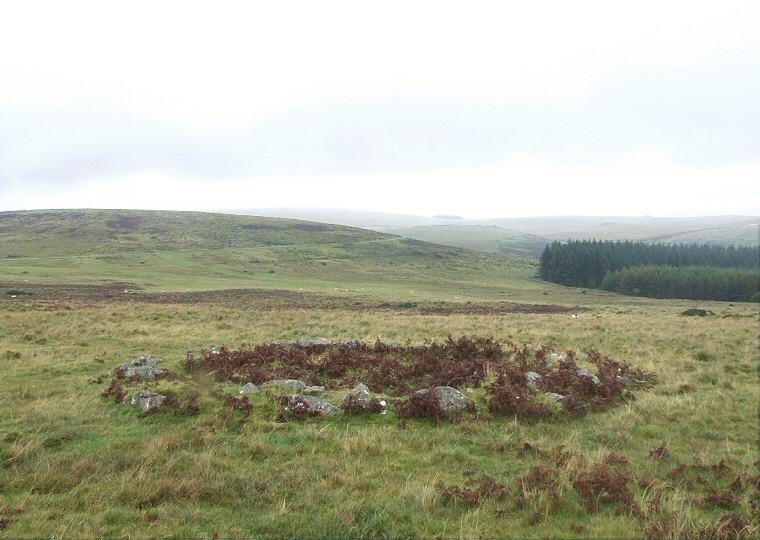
(493, 109)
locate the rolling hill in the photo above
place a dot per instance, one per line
(43, 233)
(155, 251)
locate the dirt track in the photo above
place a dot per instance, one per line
(70, 296)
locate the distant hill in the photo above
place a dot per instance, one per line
(491, 239)
(723, 230)
(41, 233)
(348, 218)
(528, 236)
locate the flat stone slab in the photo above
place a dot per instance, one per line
(350, 343)
(312, 342)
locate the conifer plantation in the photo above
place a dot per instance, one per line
(693, 272)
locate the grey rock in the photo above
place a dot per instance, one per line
(145, 400)
(559, 399)
(249, 388)
(583, 372)
(144, 366)
(313, 404)
(360, 391)
(313, 390)
(216, 349)
(625, 380)
(295, 384)
(282, 343)
(312, 342)
(533, 378)
(449, 399)
(361, 387)
(192, 362)
(211, 374)
(383, 402)
(350, 343)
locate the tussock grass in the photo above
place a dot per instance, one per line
(67, 452)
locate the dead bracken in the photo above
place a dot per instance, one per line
(527, 383)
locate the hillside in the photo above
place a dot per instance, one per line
(188, 251)
(45, 233)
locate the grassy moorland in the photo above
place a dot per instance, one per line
(679, 460)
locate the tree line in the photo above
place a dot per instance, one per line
(690, 283)
(658, 270)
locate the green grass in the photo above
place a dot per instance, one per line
(77, 465)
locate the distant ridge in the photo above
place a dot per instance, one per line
(720, 230)
(350, 218)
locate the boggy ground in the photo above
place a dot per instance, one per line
(67, 296)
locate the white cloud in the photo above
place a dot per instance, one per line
(418, 107)
(517, 188)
